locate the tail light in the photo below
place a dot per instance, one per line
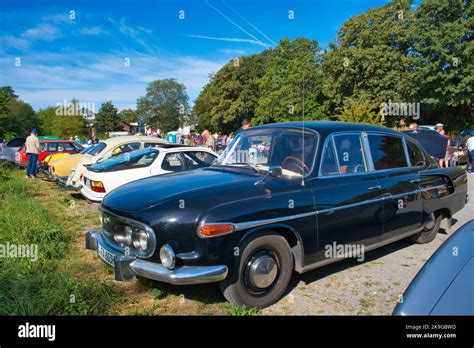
(97, 186)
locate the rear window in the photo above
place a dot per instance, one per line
(416, 156)
(97, 149)
(129, 160)
(17, 142)
(387, 151)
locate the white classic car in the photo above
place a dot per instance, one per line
(104, 176)
(74, 166)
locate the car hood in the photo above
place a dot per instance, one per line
(146, 193)
(68, 159)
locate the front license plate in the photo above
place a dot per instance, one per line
(106, 255)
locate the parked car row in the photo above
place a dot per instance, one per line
(101, 168)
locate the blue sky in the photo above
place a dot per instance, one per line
(84, 54)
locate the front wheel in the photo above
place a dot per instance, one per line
(264, 272)
(430, 230)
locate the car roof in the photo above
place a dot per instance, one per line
(184, 148)
(130, 138)
(56, 141)
(327, 127)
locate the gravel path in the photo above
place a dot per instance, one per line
(369, 288)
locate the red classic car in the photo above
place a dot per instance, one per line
(49, 146)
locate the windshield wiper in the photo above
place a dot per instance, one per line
(254, 167)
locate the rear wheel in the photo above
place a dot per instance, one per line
(264, 272)
(429, 231)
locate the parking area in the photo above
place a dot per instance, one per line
(372, 287)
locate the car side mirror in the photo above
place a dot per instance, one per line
(275, 171)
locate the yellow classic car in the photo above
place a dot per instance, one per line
(69, 170)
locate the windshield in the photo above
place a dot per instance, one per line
(129, 160)
(262, 148)
(97, 149)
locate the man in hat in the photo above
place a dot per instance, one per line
(32, 146)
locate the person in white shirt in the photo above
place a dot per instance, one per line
(470, 152)
(32, 150)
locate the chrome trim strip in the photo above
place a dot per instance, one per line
(246, 225)
(251, 224)
(373, 200)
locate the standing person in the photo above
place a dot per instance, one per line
(244, 125)
(191, 140)
(470, 152)
(32, 146)
(78, 140)
(443, 162)
(209, 141)
(229, 138)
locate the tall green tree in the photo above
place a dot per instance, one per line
(165, 105)
(128, 115)
(107, 118)
(16, 116)
(231, 95)
(360, 109)
(292, 83)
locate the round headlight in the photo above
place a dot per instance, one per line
(124, 237)
(140, 240)
(167, 256)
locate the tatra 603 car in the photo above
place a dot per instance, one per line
(104, 176)
(281, 198)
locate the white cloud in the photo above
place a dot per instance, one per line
(15, 42)
(96, 30)
(45, 32)
(96, 77)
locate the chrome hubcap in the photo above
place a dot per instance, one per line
(261, 270)
(430, 221)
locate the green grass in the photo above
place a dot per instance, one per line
(240, 311)
(43, 286)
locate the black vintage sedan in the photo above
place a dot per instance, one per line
(281, 198)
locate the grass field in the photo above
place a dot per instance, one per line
(66, 279)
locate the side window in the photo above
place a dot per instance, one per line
(387, 151)
(147, 145)
(173, 162)
(415, 154)
(350, 153)
(195, 160)
(69, 147)
(51, 147)
(125, 148)
(328, 163)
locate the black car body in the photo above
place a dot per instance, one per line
(445, 284)
(281, 198)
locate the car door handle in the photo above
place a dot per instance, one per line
(378, 187)
(415, 181)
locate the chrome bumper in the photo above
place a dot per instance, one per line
(128, 267)
(65, 186)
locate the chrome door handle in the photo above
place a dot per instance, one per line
(378, 187)
(415, 181)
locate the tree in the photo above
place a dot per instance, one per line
(231, 95)
(292, 83)
(128, 115)
(54, 122)
(165, 105)
(107, 119)
(16, 116)
(360, 110)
